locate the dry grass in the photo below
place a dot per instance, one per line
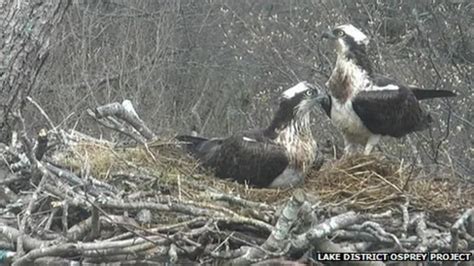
(363, 183)
(368, 183)
(160, 159)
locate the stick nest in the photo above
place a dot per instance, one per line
(362, 183)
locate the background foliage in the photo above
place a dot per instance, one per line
(218, 66)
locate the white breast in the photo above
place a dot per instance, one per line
(346, 119)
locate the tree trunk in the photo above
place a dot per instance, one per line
(26, 28)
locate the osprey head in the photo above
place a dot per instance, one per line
(300, 99)
(347, 38)
(295, 106)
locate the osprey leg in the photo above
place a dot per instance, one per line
(371, 142)
(349, 147)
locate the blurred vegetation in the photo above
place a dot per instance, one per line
(218, 66)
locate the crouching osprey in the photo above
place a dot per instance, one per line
(364, 105)
(276, 156)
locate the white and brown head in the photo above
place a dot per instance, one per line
(347, 38)
(350, 44)
(295, 105)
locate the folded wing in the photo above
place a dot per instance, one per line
(243, 158)
(394, 112)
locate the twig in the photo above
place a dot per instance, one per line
(405, 217)
(64, 222)
(42, 112)
(11, 178)
(78, 137)
(470, 226)
(239, 201)
(66, 175)
(346, 235)
(165, 228)
(187, 209)
(421, 232)
(173, 254)
(457, 227)
(50, 122)
(95, 224)
(379, 231)
(27, 214)
(49, 222)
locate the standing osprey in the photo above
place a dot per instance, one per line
(364, 105)
(276, 156)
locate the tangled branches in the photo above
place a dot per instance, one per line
(51, 211)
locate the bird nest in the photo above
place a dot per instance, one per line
(363, 183)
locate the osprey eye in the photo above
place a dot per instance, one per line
(309, 92)
(340, 33)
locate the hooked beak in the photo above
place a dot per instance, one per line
(328, 35)
(321, 97)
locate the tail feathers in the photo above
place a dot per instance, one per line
(193, 140)
(422, 94)
(202, 148)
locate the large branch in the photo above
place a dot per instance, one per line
(278, 239)
(127, 113)
(29, 243)
(322, 230)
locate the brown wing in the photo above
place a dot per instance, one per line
(390, 112)
(247, 160)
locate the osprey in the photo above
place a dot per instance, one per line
(275, 156)
(366, 106)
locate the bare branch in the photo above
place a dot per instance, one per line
(126, 112)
